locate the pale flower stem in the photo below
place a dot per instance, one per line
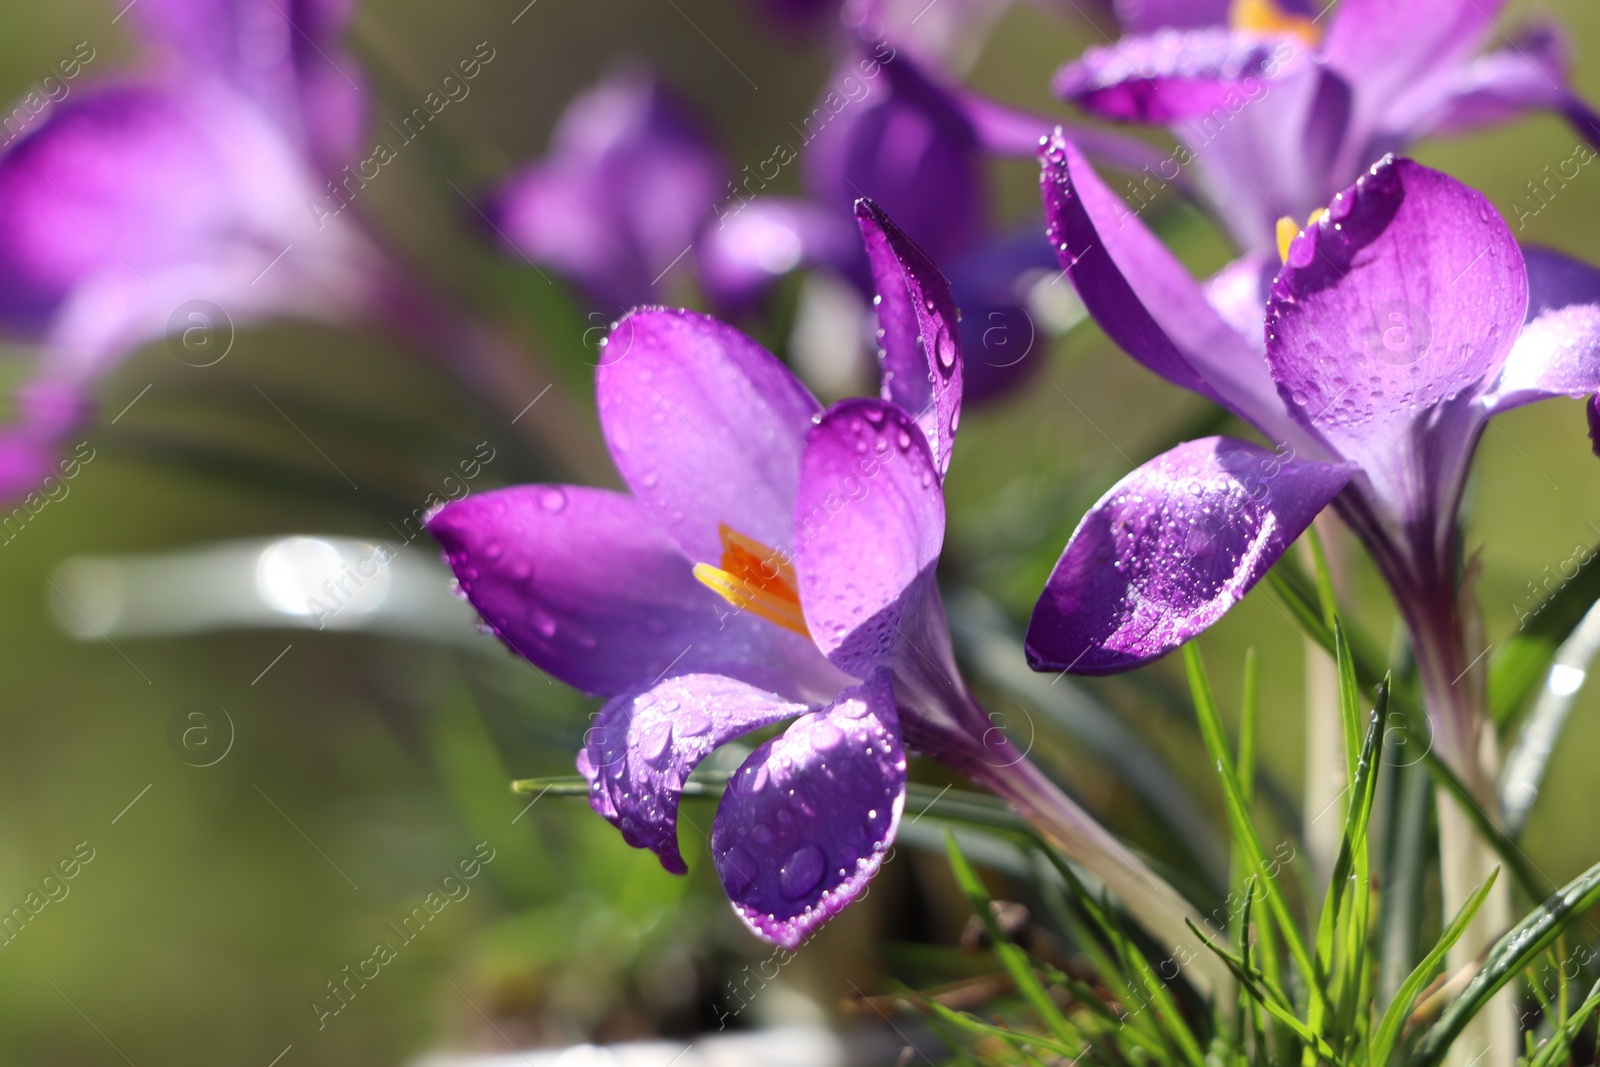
(1465, 860)
(1453, 685)
(1326, 775)
(1148, 898)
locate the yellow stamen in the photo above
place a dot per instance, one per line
(756, 579)
(1288, 231)
(1265, 16)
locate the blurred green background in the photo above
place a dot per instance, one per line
(363, 769)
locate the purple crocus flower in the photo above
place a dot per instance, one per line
(890, 128)
(770, 561)
(1279, 108)
(621, 196)
(1400, 323)
(134, 199)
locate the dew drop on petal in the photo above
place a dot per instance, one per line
(801, 872)
(553, 500)
(656, 744)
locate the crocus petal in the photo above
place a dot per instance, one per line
(869, 522)
(1398, 54)
(1144, 298)
(754, 243)
(127, 202)
(644, 744)
(1389, 317)
(1170, 549)
(284, 53)
(885, 143)
(1558, 351)
(706, 427)
(1239, 291)
(806, 820)
(585, 585)
(1499, 86)
(1007, 131)
(1384, 47)
(1168, 77)
(622, 194)
(919, 331)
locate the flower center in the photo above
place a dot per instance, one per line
(756, 579)
(1288, 230)
(1265, 16)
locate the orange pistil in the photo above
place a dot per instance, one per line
(756, 579)
(1266, 17)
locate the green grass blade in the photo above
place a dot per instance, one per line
(1555, 1050)
(1507, 958)
(1015, 961)
(1017, 1039)
(1121, 964)
(1244, 833)
(1323, 578)
(1273, 1000)
(1389, 1027)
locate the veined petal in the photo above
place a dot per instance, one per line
(706, 427)
(919, 331)
(1171, 76)
(1170, 549)
(1391, 315)
(1144, 298)
(583, 583)
(644, 744)
(869, 523)
(1558, 351)
(806, 821)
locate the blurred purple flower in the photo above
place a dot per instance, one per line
(1278, 112)
(131, 201)
(620, 198)
(947, 35)
(1400, 323)
(888, 129)
(771, 561)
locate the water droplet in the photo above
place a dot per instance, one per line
(826, 737)
(656, 744)
(801, 873)
(553, 500)
(694, 723)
